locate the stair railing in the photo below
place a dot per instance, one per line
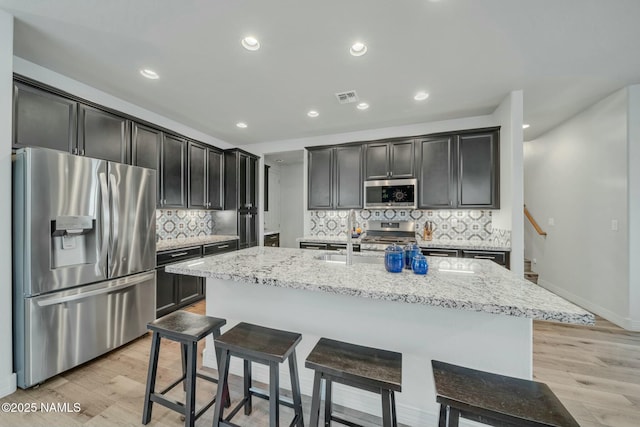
(533, 222)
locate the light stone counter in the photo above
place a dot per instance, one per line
(165, 245)
(469, 312)
(457, 283)
(484, 245)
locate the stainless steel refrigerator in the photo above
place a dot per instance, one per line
(84, 250)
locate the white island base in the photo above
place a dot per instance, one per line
(491, 342)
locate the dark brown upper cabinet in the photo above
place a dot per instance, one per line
(43, 119)
(173, 172)
(146, 143)
(389, 160)
(479, 170)
(205, 177)
(102, 135)
(335, 177)
(436, 176)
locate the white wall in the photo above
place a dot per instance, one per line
(74, 87)
(633, 192)
(577, 175)
(7, 377)
(292, 197)
(510, 216)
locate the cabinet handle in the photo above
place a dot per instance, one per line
(82, 152)
(390, 174)
(436, 254)
(179, 254)
(222, 247)
(312, 247)
(484, 257)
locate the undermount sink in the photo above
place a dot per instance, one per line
(342, 259)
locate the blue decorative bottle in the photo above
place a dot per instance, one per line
(394, 258)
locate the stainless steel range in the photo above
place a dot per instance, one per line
(387, 232)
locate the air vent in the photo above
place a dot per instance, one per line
(347, 97)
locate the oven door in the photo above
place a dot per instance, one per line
(394, 193)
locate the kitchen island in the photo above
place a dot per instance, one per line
(464, 311)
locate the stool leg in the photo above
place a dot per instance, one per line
(247, 387)
(295, 389)
(393, 409)
(315, 400)
(151, 378)
(223, 374)
(327, 402)
(190, 404)
(454, 416)
(386, 408)
(227, 397)
(442, 421)
(274, 394)
(183, 356)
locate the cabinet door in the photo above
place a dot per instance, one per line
(252, 183)
(377, 161)
(165, 292)
(174, 161)
(243, 231)
(197, 176)
(189, 289)
(401, 160)
(436, 173)
(214, 179)
(43, 119)
(478, 171)
(348, 177)
(242, 181)
(252, 230)
(145, 151)
(320, 179)
(103, 135)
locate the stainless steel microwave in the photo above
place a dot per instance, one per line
(391, 193)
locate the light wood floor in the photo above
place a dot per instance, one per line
(594, 371)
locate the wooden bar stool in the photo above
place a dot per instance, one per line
(187, 329)
(495, 400)
(366, 368)
(269, 347)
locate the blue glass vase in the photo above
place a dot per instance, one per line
(419, 264)
(410, 250)
(394, 259)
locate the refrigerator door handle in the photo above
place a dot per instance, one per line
(106, 220)
(115, 193)
(127, 283)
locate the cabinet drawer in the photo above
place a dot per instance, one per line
(340, 246)
(167, 257)
(220, 248)
(497, 257)
(314, 246)
(452, 253)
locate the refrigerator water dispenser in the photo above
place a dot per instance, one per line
(72, 240)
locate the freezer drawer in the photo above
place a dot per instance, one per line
(65, 329)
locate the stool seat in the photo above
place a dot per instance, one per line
(260, 342)
(379, 368)
(491, 398)
(366, 368)
(184, 326)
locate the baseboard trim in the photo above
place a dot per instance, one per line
(8, 385)
(623, 322)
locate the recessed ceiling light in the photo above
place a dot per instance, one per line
(241, 125)
(150, 74)
(362, 106)
(421, 96)
(358, 49)
(525, 126)
(313, 113)
(279, 160)
(250, 43)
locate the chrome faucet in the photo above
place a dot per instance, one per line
(351, 220)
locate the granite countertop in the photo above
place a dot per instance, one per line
(445, 244)
(455, 283)
(164, 245)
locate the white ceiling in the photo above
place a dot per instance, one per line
(468, 54)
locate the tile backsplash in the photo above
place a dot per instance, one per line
(448, 224)
(179, 223)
